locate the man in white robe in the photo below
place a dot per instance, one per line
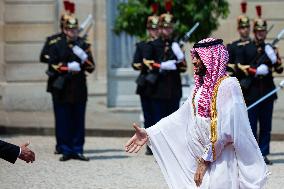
(208, 142)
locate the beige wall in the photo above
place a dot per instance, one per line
(24, 25)
(2, 78)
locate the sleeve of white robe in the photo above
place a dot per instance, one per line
(168, 141)
(233, 127)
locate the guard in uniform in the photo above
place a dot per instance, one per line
(144, 51)
(243, 23)
(70, 59)
(168, 63)
(258, 60)
(69, 8)
(171, 61)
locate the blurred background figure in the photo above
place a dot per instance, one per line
(159, 85)
(70, 59)
(143, 53)
(171, 60)
(69, 9)
(258, 60)
(243, 24)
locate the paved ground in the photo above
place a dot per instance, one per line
(110, 167)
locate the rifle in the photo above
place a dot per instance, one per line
(187, 35)
(281, 86)
(85, 23)
(87, 31)
(270, 28)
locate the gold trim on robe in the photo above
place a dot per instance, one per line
(213, 116)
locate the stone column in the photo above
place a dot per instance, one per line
(2, 78)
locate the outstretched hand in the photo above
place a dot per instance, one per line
(137, 141)
(26, 155)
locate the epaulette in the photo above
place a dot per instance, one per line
(243, 43)
(150, 39)
(137, 66)
(233, 42)
(230, 43)
(53, 41)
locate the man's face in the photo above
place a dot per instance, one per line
(72, 34)
(166, 32)
(260, 35)
(200, 68)
(153, 33)
(244, 32)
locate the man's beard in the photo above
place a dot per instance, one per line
(201, 71)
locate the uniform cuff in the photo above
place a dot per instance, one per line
(20, 151)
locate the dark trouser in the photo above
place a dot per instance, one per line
(70, 127)
(262, 113)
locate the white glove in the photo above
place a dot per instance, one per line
(80, 53)
(74, 66)
(269, 51)
(262, 70)
(169, 65)
(177, 51)
(281, 83)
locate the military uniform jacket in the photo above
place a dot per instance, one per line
(144, 51)
(255, 87)
(44, 55)
(233, 49)
(168, 85)
(68, 86)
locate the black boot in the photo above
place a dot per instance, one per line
(148, 151)
(80, 157)
(267, 161)
(56, 152)
(65, 158)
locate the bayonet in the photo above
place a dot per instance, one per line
(188, 34)
(85, 23)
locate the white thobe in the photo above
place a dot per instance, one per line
(179, 139)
